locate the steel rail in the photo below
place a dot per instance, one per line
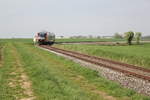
(111, 61)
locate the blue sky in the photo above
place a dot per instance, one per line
(23, 18)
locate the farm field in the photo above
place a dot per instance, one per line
(135, 54)
(95, 40)
(87, 40)
(51, 77)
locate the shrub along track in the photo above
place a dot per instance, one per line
(118, 66)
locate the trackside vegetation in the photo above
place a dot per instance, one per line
(56, 78)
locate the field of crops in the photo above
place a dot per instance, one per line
(135, 54)
(51, 77)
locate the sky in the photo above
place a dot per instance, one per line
(24, 18)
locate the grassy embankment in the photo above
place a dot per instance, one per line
(55, 77)
(134, 54)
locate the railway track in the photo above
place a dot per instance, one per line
(130, 70)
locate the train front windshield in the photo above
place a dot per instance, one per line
(42, 35)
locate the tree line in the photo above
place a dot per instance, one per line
(128, 36)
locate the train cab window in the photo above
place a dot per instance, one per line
(42, 34)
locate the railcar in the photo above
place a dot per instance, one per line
(44, 38)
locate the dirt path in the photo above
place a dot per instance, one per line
(19, 80)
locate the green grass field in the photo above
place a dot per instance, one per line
(53, 77)
(95, 40)
(134, 54)
(87, 39)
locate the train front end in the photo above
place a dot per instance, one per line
(44, 38)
